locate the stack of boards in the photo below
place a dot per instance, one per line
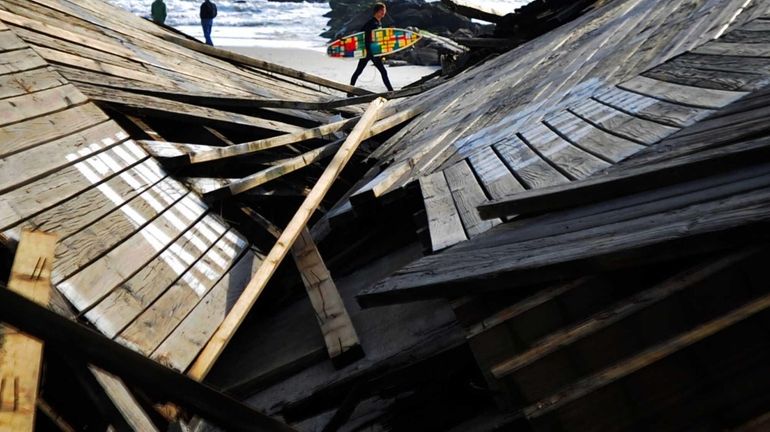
(384, 41)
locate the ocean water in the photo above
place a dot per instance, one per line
(262, 22)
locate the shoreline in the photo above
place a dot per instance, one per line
(315, 61)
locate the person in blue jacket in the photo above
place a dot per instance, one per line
(379, 12)
(208, 13)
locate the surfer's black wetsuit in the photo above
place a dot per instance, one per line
(370, 25)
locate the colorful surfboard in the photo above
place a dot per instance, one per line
(384, 41)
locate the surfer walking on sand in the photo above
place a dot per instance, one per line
(379, 12)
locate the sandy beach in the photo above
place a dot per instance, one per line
(318, 63)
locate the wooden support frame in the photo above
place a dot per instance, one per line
(75, 339)
(21, 356)
(237, 314)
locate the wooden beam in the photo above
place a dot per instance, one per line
(339, 334)
(77, 340)
(627, 182)
(21, 356)
(260, 64)
(219, 340)
(52, 415)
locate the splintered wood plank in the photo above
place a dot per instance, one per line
(467, 195)
(183, 110)
(585, 135)
(337, 328)
(93, 282)
(133, 296)
(681, 94)
(528, 165)
(576, 163)
(150, 328)
(444, 223)
(20, 60)
(29, 82)
(647, 357)
(40, 103)
(496, 178)
(182, 346)
(60, 186)
(96, 203)
(651, 109)
(255, 287)
(21, 356)
(90, 243)
(9, 41)
(619, 123)
(31, 132)
(47, 158)
(124, 401)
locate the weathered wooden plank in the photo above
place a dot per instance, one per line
(444, 223)
(23, 135)
(182, 346)
(467, 195)
(21, 356)
(380, 184)
(530, 168)
(93, 282)
(150, 328)
(629, 181)
(36, 104)
(723, 63)
(98, 238)
(495, 177)
(590, 138)
(28, 82)
(619, 123)
(9, 41)
(61, 185)
(618, 312)
(647, 357)
(69, 336)
(342, 342)
(44, 159)
(183, 110)
(570, 160)
(129, 300)
(685, 95)
(717, 80)
(640, 240)
(234, 318)
(124, 401)
(19, 61)
(651, 109)
(734, 49)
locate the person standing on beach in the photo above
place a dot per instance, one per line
(376, 22)
(158, 11)
(208, 13)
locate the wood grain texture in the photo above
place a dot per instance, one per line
(444, 221)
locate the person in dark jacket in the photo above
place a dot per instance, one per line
(379, 12)
(158, 11)
(208, 13)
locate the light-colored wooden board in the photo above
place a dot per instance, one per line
(467, 195)
(533, 171)
(444, 223)
(61, 185)
(651, 109)
(9, 41)
(40, 103)
(619, 123)
(90, 243)
(685, 95)
(28, 82)
(151, 327)
(21, 356)
(47, 158)
(124, 401)
(132, 297)
(182, 346)
(495, 177)
(20, 60)
(91, 283)
(574, 162)
(590, 138)
(28, 133)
